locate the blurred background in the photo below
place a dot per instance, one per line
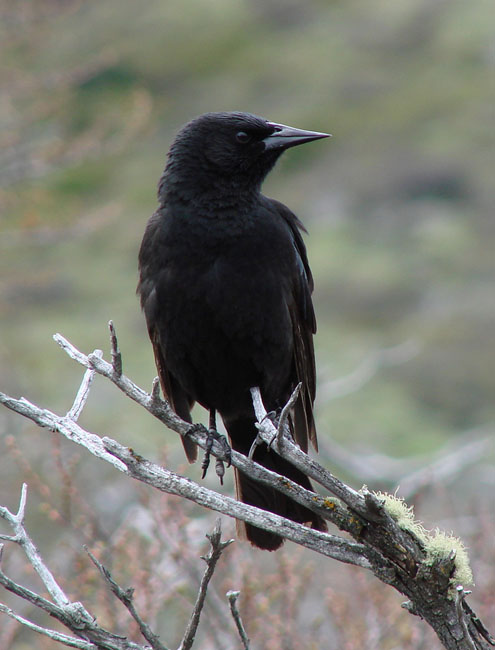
(399, 208)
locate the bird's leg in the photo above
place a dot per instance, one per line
(211, 437)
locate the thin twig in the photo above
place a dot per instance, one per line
(217, 547)
(155, 390)
(22, 538)
(282, 421)
(69, 641)
(459, 597)
(126, 597)
(74, 617)
(284, 415)
(232, 597)
(71, 614)
(116, 356)
(27, 594)
(83, 392)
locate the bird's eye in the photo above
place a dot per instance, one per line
(242, 137)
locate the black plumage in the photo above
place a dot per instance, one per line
(225, 286)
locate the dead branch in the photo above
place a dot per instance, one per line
(74, 616)
(217, 548)
(89, 635)
(233, 596)
(126, 598)
(69, 641)
(396, 553)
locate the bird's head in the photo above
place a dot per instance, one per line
(228, 149)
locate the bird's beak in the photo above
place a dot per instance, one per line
(287, 136)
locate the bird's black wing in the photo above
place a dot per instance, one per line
(304, 326)
(150, 268)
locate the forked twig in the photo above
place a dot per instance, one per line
(126, 597)
(217, 547)
(25, 542)
(72, 615)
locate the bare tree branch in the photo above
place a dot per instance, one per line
(233, 596)
(302, 461)
(459, 598)
(327, 507)
(116, 356)
(284, 415)
(406, 476)
(128, 462)
(217, 547)
(25, 542)
(73, 615)
(82, 393)
(449, 462)
(167, 481)
(126, 597)
(394, 548)
(69, 641)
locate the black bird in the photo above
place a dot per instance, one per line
(226, 287)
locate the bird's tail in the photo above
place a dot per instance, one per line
(242, 432)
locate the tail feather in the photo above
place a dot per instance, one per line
(242, 433)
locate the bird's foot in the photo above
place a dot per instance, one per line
(213, 436)
(273, 416)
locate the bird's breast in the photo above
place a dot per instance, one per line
(223, 306)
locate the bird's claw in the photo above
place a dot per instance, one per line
(195, 428)
(220, 469)
(213, 436)
(272, 416)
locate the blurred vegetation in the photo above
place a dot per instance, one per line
(399, 204)
(401, 209)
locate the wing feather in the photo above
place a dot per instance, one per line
(179, 400)
(304, 326)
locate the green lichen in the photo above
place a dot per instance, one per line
(437, 544)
